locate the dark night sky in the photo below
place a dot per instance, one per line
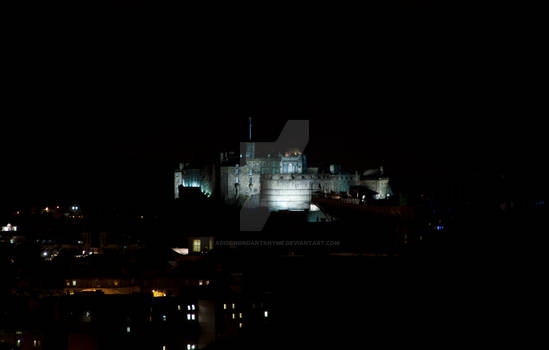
(109, 121)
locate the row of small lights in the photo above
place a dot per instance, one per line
(19, 341)
(240, 315)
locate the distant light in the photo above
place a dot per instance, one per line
(182, 251)
(158, 293)
(163, 317)
(128, 329)
(9, 227)
(12, 241)
(439, 227)
(45, 253)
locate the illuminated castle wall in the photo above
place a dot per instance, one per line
(203, 178)
(277, 181)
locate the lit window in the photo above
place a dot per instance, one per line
(240, 315)
(200, 282)
(224, 306)
(266, 313)
(234, 316)
(196, 245)
(234, 306)
(179, 307)
(193, 307)
(240, 325)
(188, 307)
(164, 317)
(207, 282)
(18, 344)
(193, 317)
(128, 329)
(73, 283)
(188, 316)
(164, 347)
(191, 346)
(36, 343)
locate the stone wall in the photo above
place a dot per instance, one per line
(286, 192)
(381, 186)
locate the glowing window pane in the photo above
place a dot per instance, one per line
(196, 245)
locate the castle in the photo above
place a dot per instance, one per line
(278, 181)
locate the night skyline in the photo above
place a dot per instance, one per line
(59, 158)
(107, 243)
